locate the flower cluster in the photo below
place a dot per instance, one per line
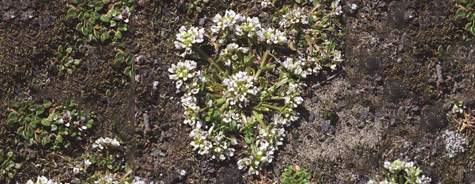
(239, 97)
(403, 171)
(295, 16)
(185, 75)
(238, 88)
(297, 67)
(336, 8)
(271, 36)
(227, 21)
(263, 149)
(107, 142)
(187, 37)
(42, 180)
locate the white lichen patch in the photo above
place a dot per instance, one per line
(454, 143)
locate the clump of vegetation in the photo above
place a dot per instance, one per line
(295, 175)
(48, 125)
(463, 117)
(403, 172)
(123, 60)
(466, 15)
(247, 87)
(196, 5)
(8, 165)
(42, 180)
(100, 20)
(65, 61)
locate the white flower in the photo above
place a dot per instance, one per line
(42, 180)
(297, 67)
(102, 143)
(295, 16)
(238, 87)
(186, 38)
(229, 19)
(271, 36)
(185, 75)
(249, 27)
(265, 3)
(87, 162)
(336, 8)
(354, 6)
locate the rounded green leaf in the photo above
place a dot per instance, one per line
(47, 103)
(72, 12)
(12, 117)
(113, 23)
(54, 127)
(46, 122)
(105, 18)
(59, 138)
(118, 34)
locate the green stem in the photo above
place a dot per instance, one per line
(277, 98)
(272, 107)
(209, 59)
(263, 61)
(263, 125)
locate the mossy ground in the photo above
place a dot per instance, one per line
(388, 103)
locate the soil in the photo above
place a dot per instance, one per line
(388, 102)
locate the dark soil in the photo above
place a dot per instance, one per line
(388, 102)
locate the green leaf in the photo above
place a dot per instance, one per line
(45, 122)
(40, 110)
(45, 141)
(106, 1)
(89, 123)
(470, 16)
(81, 16)
(472, 30)
(463, 1)
(105, 18)
(16, 104)
(104, 36)
(10, 154)
(69, 50)
(119, 56)
(12, 117)
(129, 61)
(118, 35)
(46, 103)
(35, 119)
(98, 6)
(71, 13)
(54, 127)
(76, 62)
(59, 138)
(113, 23)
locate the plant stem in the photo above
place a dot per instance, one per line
(263, 125)
(272, 107)
(263, 62)
(277, 98)
(209, 59)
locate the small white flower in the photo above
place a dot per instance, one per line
(227, 21)
(238, 87)
(295, 16)
(186, 38)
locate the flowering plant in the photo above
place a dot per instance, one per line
(403, 172)
(238, 94)
(46, 124)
